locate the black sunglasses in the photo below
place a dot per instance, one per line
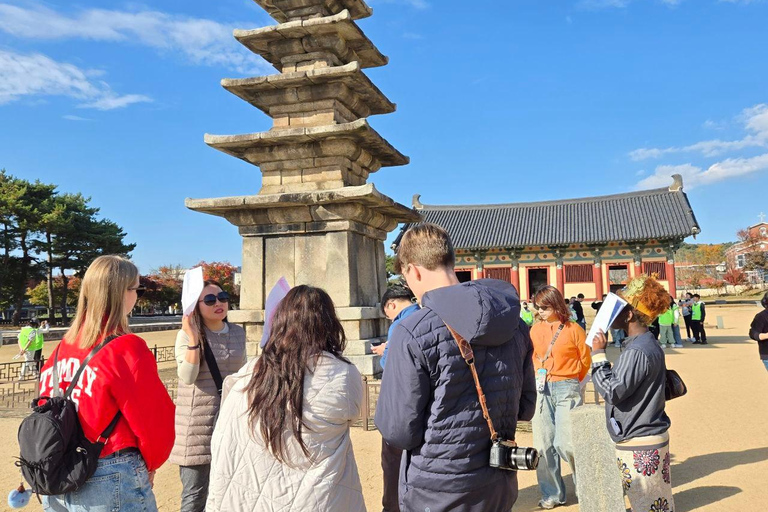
(537, 307)
(210, 299)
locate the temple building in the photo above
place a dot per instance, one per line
(591, 245)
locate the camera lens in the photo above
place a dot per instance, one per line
(523, 458)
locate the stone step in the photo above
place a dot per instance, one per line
(368, 364)
(362, 347)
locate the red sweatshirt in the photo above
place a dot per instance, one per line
(122, 376)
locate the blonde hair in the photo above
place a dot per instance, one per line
(100, 307)
(426, 245)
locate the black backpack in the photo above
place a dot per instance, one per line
(56, 457)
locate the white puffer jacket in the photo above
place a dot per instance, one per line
(244, 474)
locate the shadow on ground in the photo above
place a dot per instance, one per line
(698, 497)
(702, 465)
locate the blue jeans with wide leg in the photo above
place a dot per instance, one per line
(552, 435)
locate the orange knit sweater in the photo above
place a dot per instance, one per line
(570, 357)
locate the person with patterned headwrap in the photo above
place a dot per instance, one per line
(633, 390)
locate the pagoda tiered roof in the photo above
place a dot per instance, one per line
(331, 29)
(358, 93)
(285, 10)
(359, 131)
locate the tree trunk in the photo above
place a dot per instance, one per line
(51, 313)
(21, 288)
(65, 281)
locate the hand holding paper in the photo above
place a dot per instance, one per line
(193, 287)
(612, 306)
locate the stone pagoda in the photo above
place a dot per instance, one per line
(316, 219)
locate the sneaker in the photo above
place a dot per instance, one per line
(690, 340)
(550, 504)
(617, 345)
(663, 347)
(704, 342)
(678, 345)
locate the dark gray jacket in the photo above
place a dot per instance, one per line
(428, 404)
(633, 390)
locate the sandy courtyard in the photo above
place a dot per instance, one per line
(719, 439)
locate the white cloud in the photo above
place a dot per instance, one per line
(755, 121)
(39, 75)
(694, 176)
(75, 118)
(200, 41)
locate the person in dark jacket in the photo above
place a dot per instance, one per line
(428, 404)
(577, 307)
(758, 331)
(633, 390)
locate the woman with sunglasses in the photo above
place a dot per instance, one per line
(199, 395)
(561, 359)
(121, 378)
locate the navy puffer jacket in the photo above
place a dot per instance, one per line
(428, 404)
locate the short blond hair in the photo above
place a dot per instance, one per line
(426, 245)
(100, 307)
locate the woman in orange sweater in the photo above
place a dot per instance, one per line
(561, 359)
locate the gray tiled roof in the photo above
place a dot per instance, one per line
(660, 214)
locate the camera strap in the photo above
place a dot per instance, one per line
(469, 357)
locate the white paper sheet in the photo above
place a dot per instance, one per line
(193, 287)
(278, 293)
(612, 306)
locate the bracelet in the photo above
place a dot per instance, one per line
(193, 347)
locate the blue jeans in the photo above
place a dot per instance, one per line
(765, 362)
(120, 484)
(676, 332)
(552, 435)
(617, 335)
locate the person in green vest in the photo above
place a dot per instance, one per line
(31, 339)
(526, 314)
(676, 324)
(698, 314)
(666, 334)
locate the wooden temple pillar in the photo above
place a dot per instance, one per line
(514, 273)
(559, 272)
(597, 273)
(479, 265)
(670, 268)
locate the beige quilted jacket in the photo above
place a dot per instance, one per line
(197, 404)
(246, 477)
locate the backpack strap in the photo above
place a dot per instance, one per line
(85, 362)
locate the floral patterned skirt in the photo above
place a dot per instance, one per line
(646, 477)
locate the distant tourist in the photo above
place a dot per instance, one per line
(428, 404)
(282, 438)
(633, 390)
(576, 304)
(666, 334)
(561, 359)
(685, 307)
(676, 323)
(208, 349)
(121, 379)
(526, 314)
(31, 339)
(397, 304)
(596, 305)
(571, 311)
(698, 315)
(758, 331)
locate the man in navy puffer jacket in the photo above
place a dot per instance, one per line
(428, 404)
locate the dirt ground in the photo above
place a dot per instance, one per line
(719, 439)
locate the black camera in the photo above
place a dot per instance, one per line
(507, 455)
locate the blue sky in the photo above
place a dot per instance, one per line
(498, 101)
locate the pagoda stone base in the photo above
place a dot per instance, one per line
(333, 240)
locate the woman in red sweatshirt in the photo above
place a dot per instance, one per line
(122, 377)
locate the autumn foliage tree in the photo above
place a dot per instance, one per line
(224, 274)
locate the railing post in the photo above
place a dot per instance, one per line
(366, 403)
(154, 350)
